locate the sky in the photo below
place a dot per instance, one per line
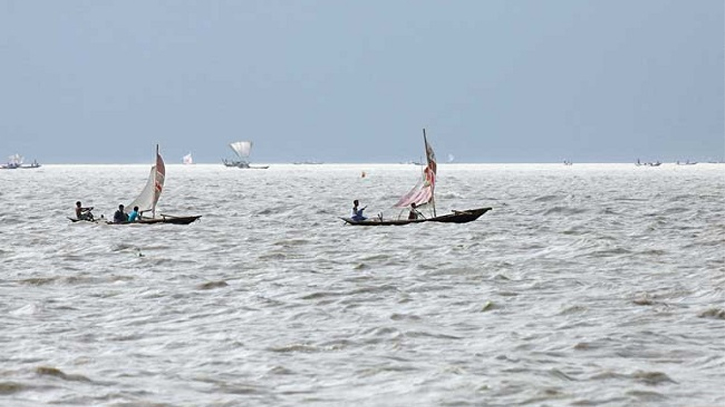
(491, 81)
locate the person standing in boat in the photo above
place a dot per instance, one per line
(120, 216)
(357, 214)
(83, 213)
(134, 215)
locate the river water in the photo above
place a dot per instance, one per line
(586, 285)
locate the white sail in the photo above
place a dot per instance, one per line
(146, 201)
(187, 159)
(242, 148)
(16, 159)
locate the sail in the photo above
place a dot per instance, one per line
(16, 159)
(242, 148)
(187, 159)
(424, 190)
(146, 201)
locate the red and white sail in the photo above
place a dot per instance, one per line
(146, 201)
(424, 191)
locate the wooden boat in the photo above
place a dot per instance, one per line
(423, 196)
(647, 164)
(453, 217)
(147, 199)
(174, 220)
(242, 149)
(15, 161)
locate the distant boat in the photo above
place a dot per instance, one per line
(34, 164)
(307, 162)
(15, 161)
(647, 164)
(243, 149)
(688, 162)
(187, 159)
(568, 162)
(422, 195)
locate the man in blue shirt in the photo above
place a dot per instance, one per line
(357, 214)
(134, 215)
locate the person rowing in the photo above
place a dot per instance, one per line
(83, 213)
(414, 213)
(357, 214)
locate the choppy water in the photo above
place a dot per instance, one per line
(586, 285)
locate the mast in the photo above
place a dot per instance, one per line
(156, 174)
(427, 159)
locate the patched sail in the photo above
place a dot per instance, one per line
(242, 148)
(146, 201)
(424, 190)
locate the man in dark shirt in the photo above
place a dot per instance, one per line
(120, 216)
(414, 214)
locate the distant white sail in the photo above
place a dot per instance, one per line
(242, 148)
(16, 159)
(146, 201)
(187, 159)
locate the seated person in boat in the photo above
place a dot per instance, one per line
(83, 213)
(357, 214)
(414, 214)
(120, 216)
(134, 215)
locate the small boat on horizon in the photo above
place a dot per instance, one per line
(647, 164)
(243, 149)
(15, 161)
(313, 162)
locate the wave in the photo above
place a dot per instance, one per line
(55, 372)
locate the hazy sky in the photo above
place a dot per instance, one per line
(356, 81)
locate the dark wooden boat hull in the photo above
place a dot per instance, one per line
(244, 165)
(176, 220)
(454, 217)
(468, 215)
(74, 220)
(378, 222)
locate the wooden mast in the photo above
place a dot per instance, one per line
(156, 174)
(427, 164)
